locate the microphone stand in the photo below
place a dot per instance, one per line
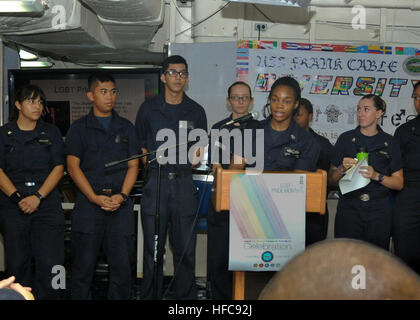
(156, 234)
(157, 215)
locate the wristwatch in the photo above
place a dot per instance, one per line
(125, 197)
(380, 178)
(38, 195)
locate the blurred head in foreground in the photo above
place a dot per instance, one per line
(343, 269)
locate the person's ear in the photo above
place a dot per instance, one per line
(18, 105)
(228, 102)
(90, 96)
(311, 117)
(162, 78)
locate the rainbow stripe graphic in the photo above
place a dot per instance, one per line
(254, 210)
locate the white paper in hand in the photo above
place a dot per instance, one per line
(353, 180)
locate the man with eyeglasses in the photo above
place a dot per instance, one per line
(239, 100)
(103, 212)
(175, 111)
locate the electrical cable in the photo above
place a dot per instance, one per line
(202, 20)
(265, 16)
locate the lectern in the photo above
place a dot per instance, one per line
(316, 198)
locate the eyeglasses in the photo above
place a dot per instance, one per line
(238, 98)
(173, 73)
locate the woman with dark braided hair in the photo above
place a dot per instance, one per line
(287, 146)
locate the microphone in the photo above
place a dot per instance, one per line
(252, 115)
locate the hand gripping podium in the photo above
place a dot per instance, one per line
(316, 196)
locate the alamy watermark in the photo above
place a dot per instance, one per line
(58, 22)
(58, 281)
(359, 19)
(247, 143)
(359, 280)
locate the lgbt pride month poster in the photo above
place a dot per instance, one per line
(267, 225)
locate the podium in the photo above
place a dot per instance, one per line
(316, 198)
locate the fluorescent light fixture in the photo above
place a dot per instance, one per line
(117, 67)
(22, 7)
(287, 3)
(36, 64)
(26, 55)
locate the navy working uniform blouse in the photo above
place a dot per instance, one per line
(294, 148)
(383, 153)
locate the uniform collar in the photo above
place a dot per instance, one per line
(39, 131)
(161, 103)
(380, 139)
(93, 122)
(290, 135)
(222, 123)
(39, 128)
(311, 131)
(415, 125)
(359, 134)
(289, 130)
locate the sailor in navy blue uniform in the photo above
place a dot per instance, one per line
(316, 224)
(103, 212)
(406, 233)
(221, 279)
(174, 112)
(287, 146)
(365, 214)
(31, 216)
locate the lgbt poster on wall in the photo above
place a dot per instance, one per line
(267, 225)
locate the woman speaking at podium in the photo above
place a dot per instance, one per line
(365, 214)
(287, 146)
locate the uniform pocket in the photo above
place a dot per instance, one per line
(40, 155)
(11, 157)
(121, 142)
(92, 157)
(380, 161)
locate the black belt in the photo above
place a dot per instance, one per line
(174, 175)
(27, 183)
(366, 196)
(106, 191)
(171, 174)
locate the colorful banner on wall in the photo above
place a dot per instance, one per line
(267, 225)
(334, 78)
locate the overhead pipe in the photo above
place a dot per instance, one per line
(389, 4)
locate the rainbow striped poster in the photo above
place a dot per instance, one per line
(267, 225)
